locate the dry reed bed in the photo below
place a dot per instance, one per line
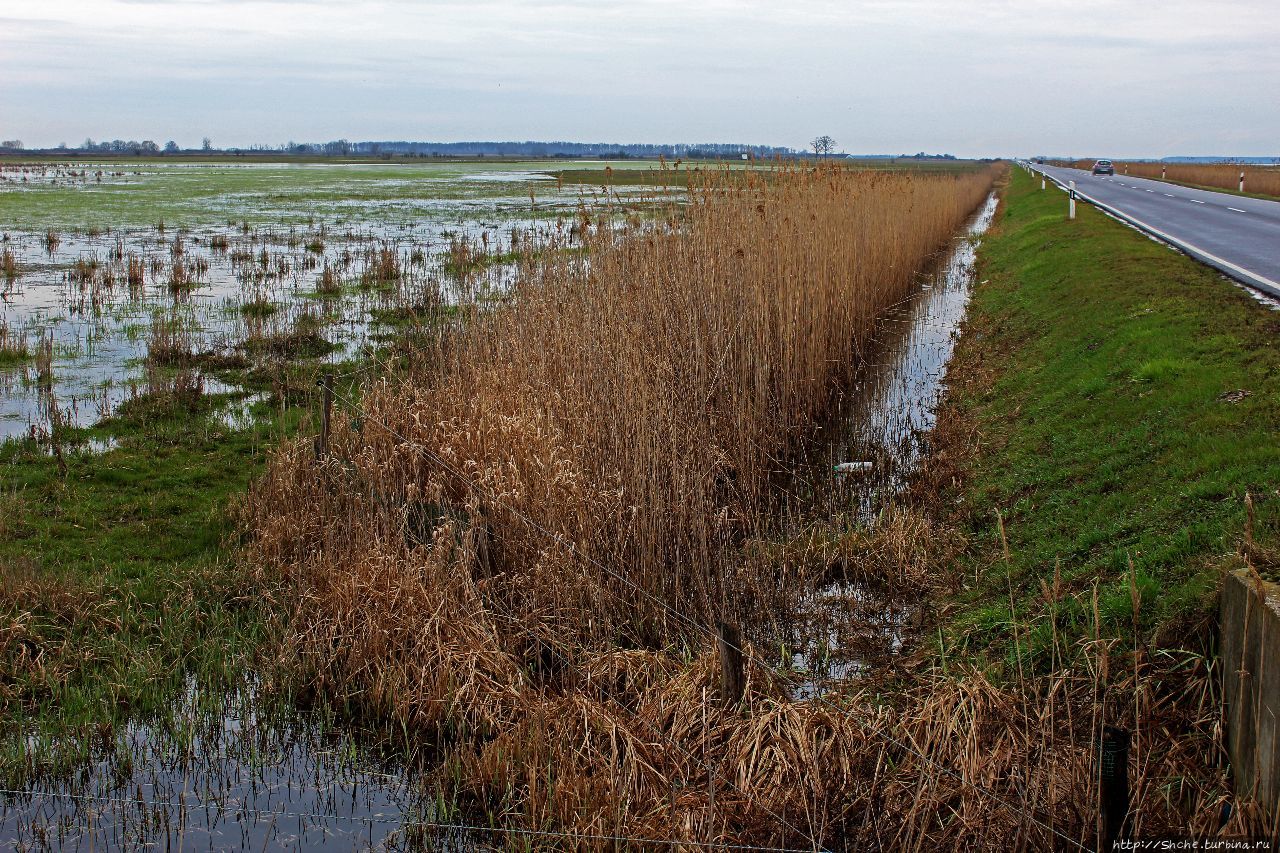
(491, 554)
(636, 404)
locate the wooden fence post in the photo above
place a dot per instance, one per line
(322, 440)
(1114, 776)
(729, 640)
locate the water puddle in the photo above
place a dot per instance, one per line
(228, 779)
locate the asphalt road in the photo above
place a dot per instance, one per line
(1236, 234)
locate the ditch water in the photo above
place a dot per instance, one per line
(884, 421)
(224, 777)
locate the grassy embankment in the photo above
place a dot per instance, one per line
(1259, 181)
(1113, 401)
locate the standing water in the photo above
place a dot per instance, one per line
(874, 447)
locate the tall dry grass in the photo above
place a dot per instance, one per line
(8, 265)
(14, 346)
(498, 553)
(635, 401)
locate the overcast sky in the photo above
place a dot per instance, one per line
(971, 77)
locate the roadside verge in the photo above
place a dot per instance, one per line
(1113, 402)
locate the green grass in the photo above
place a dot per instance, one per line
(1098, 367)
(139, 527)
(14, 356)
(478, 262)
(124, 566)
(259, 308)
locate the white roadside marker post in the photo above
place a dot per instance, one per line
(1242, 180)
(1071, 214)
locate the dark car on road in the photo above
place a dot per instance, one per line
(1104, 167)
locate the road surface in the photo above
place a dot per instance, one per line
(1238, 235)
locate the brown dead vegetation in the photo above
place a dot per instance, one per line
(505, 557)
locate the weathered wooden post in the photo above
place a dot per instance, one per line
(729, 640)
(322, 440)
(1249, 638)
(1114, 775)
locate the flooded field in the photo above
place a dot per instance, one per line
(215, 779)
(120, 283)
(110, 275)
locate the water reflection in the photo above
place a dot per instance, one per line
(884, 421)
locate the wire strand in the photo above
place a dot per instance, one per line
(473, 829)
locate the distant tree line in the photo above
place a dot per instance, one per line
(123, 146)
(530, 148)
(823, 146)
(919, 156)
(345, 148)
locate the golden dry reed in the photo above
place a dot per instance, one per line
(491, 552)
(634, 399)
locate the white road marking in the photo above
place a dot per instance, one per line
(1236, 209)
(1195, 201)
(1168, 195)
(1150, 191)
(1268, 285)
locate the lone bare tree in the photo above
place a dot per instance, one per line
(823, 145)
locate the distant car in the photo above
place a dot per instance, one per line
(1104, 167)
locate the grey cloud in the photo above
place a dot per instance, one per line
(979, 77)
